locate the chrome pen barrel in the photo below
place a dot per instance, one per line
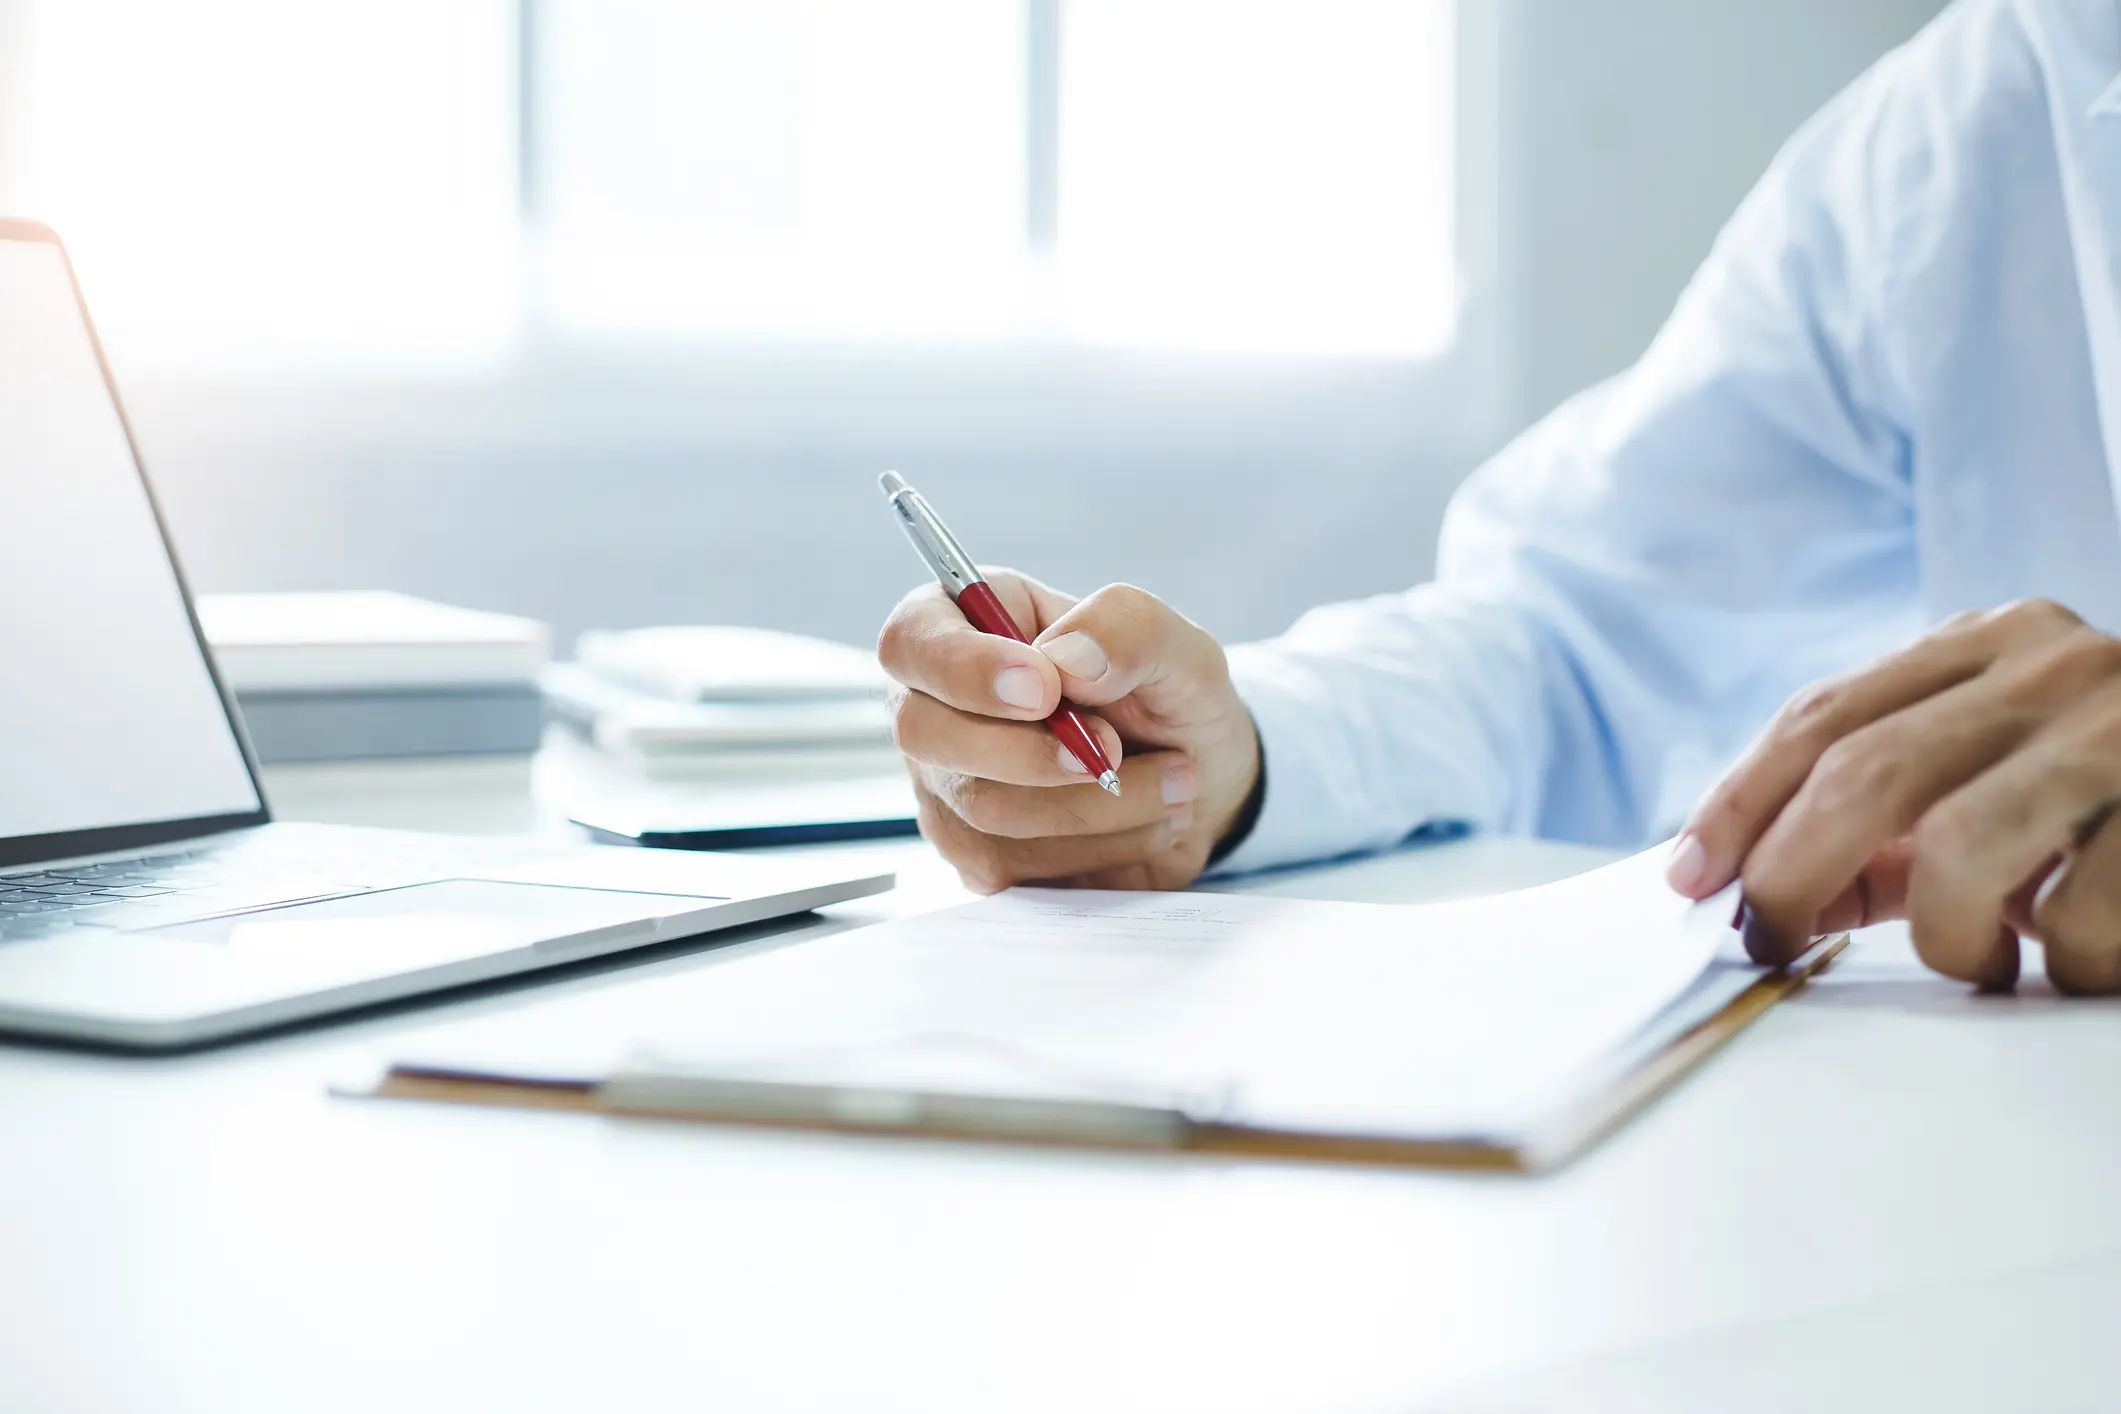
(931, 538)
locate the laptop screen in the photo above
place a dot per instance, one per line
(108, 714)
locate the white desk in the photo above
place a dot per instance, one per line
(1884, 1196)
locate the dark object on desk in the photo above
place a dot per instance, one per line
(751, 816)
(357, 724)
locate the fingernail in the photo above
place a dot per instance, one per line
(1180, 820)
(1077, 655)
(1019, 687)
(1069, 763)
(1180, 783)
(1688, 864)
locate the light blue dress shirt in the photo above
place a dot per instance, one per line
(1888, 396)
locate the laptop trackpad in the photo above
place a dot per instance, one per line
(425, 924)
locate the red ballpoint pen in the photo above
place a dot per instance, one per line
(963, 582)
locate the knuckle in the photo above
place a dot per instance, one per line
(1129, 609)
(2073, 771)
(986, 806)
(2082, 657)
(2034, 615)
(1132, 599)
(1812, 712)
(893, 641)
(1215, 663)
(906, 713)
(1855, 770)
(906, 632)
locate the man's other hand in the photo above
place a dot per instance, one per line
(1004, 801)
(1966, 783)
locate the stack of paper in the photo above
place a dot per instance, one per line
(719, 663)
(343, 676)
(688, 698)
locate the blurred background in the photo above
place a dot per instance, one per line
(609, 311)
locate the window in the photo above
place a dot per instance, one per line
(253, 180)
(785, 167)
(417, 182)
(1254, 174)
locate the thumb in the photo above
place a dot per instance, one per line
(1124, 641)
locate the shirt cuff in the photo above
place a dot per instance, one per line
(1305, 813)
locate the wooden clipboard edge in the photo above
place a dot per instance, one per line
(576, 1096)
(1584, 1127)
(1607, 1112)
(584, 1097)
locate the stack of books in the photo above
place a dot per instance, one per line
(368, 674)
(683, 699)
(703, 737)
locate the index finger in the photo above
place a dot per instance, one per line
(928, 645)
(1738, 809)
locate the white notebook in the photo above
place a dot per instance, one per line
(365, 640)
(721, 663)
(627, 721)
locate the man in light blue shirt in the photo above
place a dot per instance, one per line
(1874, 450)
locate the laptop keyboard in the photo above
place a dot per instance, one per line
(195, 883)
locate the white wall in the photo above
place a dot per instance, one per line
(1629, 130)
(738, 485)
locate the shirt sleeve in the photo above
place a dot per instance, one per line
(1627, 592)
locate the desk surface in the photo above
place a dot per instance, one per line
(1886, 1195)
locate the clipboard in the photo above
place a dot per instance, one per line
(1636, 1080)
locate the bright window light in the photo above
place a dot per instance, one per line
(408, 183)
(1259, 174)
(835, 168)
(247, 180)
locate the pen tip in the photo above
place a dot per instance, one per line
(1110, 781)
(892, 483)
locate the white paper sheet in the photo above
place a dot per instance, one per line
(1466, 1019)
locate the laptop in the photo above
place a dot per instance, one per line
(147, 897)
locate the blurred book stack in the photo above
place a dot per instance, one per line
(688, 699)
(727, 738)
(369, 674)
